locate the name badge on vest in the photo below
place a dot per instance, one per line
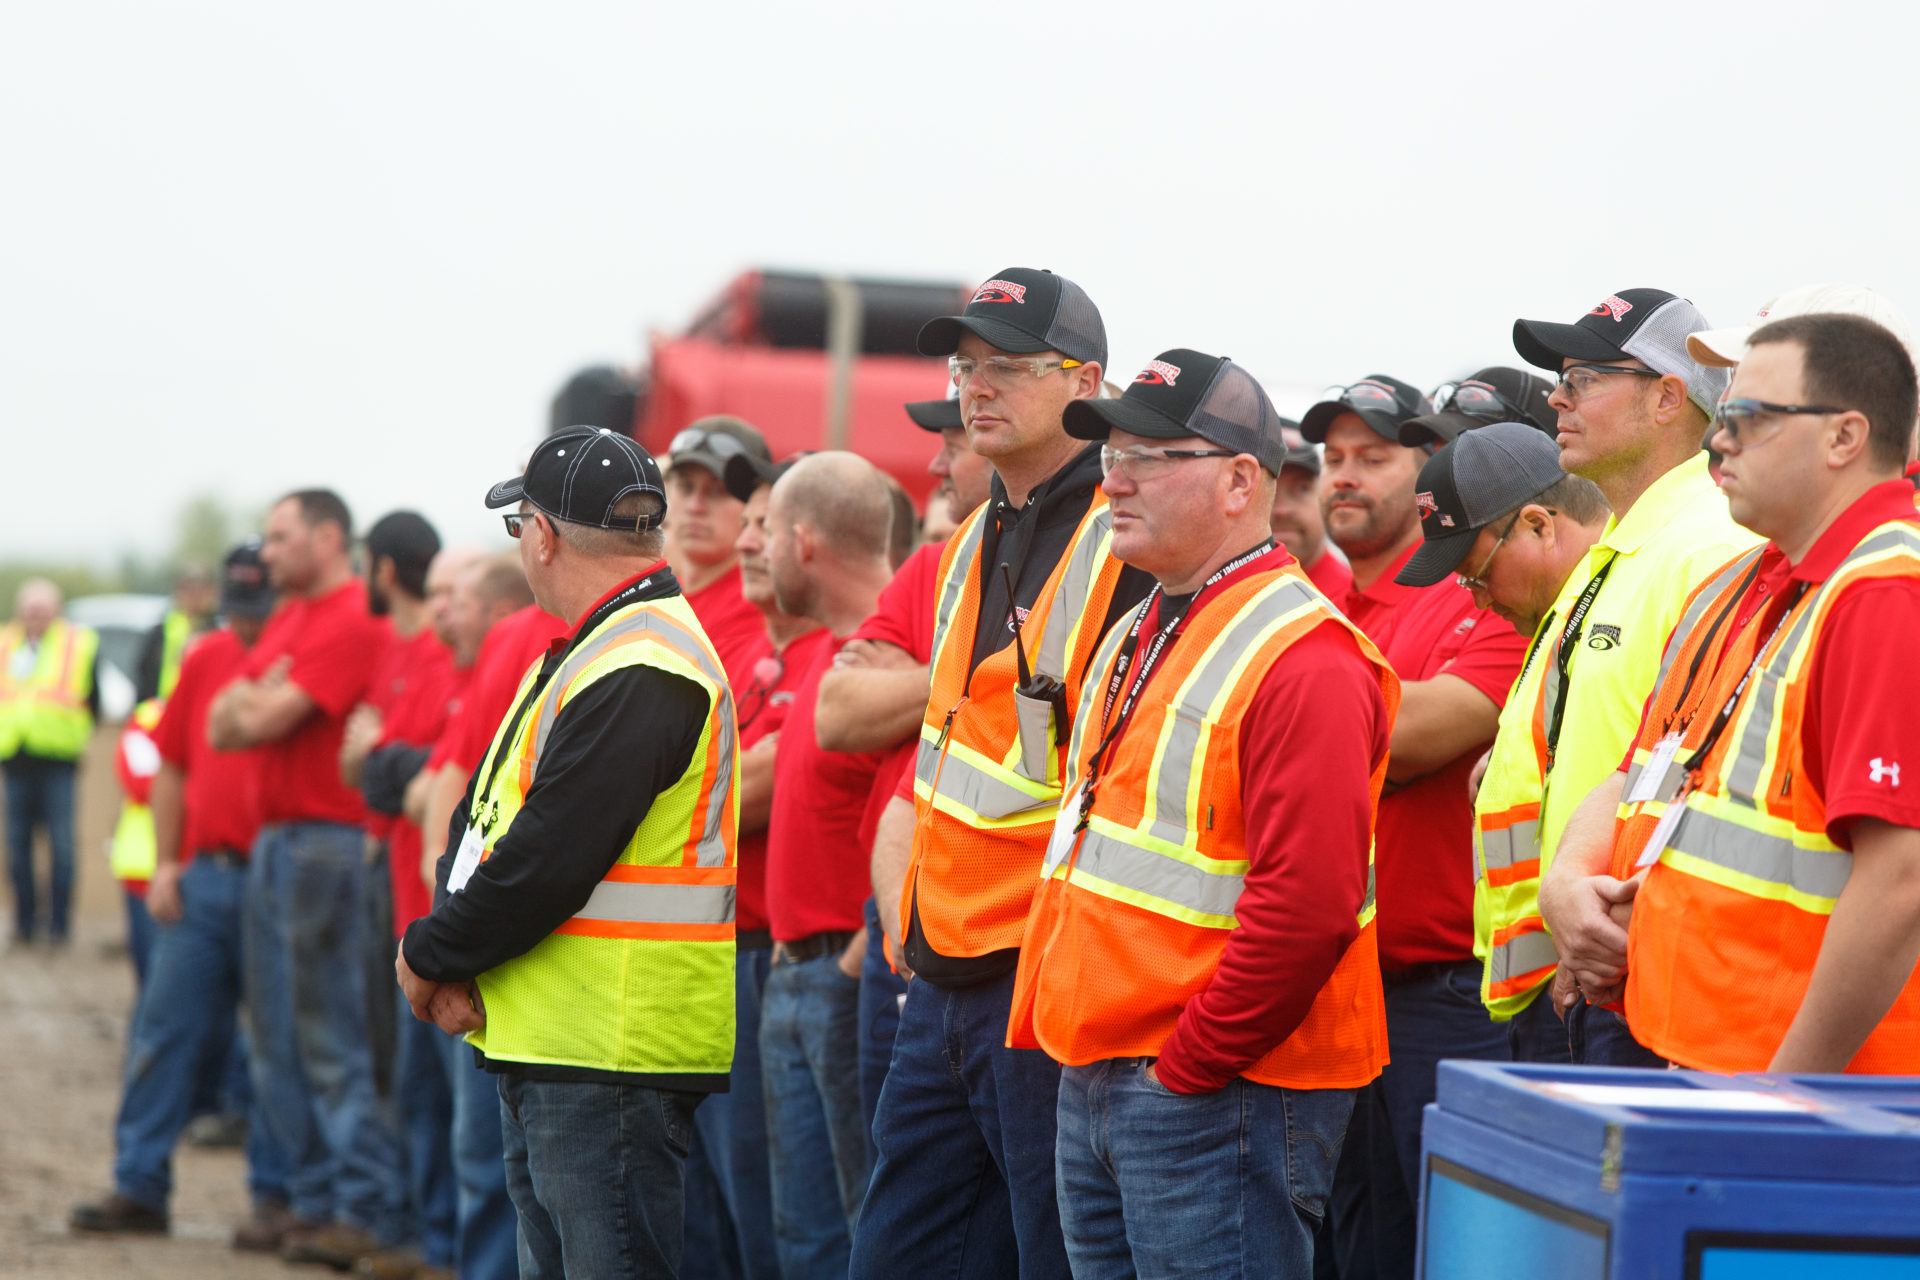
(1662, 832)
(466, 861)
(1065, 827)
(1647, 785)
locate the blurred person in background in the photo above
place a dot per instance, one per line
(49, 699)
(205, 811)
(704, 526)
(196, 600)
(1297, 522)
(306, 892)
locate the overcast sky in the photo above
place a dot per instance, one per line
(246, 247)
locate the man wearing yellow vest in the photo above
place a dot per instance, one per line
(48, 700)
(1632, 408)
(1763, 817)
(1201, 953)
(965, 1125)
(584, 933)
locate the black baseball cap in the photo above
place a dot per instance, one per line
(1024, 311)
(708, 442)
(1383, 403)
(745, 473)
(1299, 452)
(245, 590)
(1477, 478)
(579, 474)
(403, 537)
(1648, 325)
(1496, 394)
(1181, 393)
(937, 415)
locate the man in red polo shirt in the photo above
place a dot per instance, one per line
(703, 527)
(1297, 522)
(826, 552)
(1456, 663)
(306, 984)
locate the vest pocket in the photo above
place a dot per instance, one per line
(1035, 720)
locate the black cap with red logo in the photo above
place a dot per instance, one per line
(1024, 311)
(1496, 394)
(1381, 402)
(1184, 393)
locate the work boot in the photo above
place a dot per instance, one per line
(337, 1245)
(394, 1264)
(265, 1231)
(118, 1214)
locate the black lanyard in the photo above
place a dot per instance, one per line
(1721, 721)
(1712, 641)
(1569, 641)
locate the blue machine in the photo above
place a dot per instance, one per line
(1581, 1173)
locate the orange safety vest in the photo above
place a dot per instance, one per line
(1130, 924)
(987, 778)
(1730, 921)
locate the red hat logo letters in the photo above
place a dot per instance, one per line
(1000, 291)
(1424, 503)
(1158, 373)
(1612, 305)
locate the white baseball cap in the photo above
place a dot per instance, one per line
(1722, 348)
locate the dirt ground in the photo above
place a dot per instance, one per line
(63, 1033)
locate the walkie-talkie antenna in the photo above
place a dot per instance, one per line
(1013, 612)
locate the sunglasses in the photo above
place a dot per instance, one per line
(697, 440)
(767, 674)
(1366, 395)
(1476, 399)
(1748, 422)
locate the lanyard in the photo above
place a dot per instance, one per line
(1569, 641)
(1725, 717)
(1712, 641)
(1162, 637)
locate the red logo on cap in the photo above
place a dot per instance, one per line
(1612, 305)
(1158, 373)
(1424, 503)
(1000, 291)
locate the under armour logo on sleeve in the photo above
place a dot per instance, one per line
(1879, 770)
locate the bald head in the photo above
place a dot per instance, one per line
(443, 579)
(36, 604)
(842, 498)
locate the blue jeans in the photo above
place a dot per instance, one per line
(1599, 1037)
(595, 1171)
(306, 997)
(964, 1187)
(40, 794)
(880, 992)
(1536, 1034)
(423, 1096)
(729, 1183)
(182, 1033)
(1157, 1184)
(142, 933)
(1433, 1012)
(809, 1032)
(486, 1232)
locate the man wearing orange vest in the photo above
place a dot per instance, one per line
(1777, 923)
(1201, 952)
(965, 1125)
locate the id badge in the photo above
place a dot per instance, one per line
(465, 861)
(1662, 832)
(1646, 786)
(1060, 843)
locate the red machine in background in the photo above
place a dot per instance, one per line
(815, 362)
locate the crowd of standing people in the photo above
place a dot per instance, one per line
(1085, 878)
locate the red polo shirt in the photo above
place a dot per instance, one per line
(413, 689)
(333, 643)
(1332, 575)
(222, 787)
(761, 705)
(1423, 842)
(817, 872)
(735, 627)
(904, 618)
(511, 646)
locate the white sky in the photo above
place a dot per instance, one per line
(247, 247)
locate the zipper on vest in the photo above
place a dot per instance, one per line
(946, 727)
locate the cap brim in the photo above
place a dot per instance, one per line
(1544, 344)
(507, 491)
(744, 473)
(248, 604)
(935, 415)
(1319, 418)
(1097, 419)
(1437, 428)
(1719, 348)
(1305, 459)
(941, 337)
(1436, 558)
(705, 461)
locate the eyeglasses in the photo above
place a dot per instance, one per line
(767, 674)
(1002, 373)
(515, 520)
(1477, 399)
(1578, 379)
(1365, 395)
(1145, 464)
(696, 440)
(1749, 422)
(1477, 580)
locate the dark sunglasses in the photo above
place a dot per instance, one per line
(1367, 395)
(1476, 399)
(515, 520)
(695, 440)
(1760, 418)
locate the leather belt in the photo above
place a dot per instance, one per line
(830, 943)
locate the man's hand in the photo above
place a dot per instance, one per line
(1564, 993)
(454, 1007)
(855, 954)
(873, 655)
(1579, 914)
(896, 957)
(357, 740)
(163, 893)
(1477, 775)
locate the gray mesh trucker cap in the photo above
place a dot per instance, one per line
(1470, 483)
(1182, 393)
(1026, 311)
(1648, 325)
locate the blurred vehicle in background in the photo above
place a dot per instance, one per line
(123, 622)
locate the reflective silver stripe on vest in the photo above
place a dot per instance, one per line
(1157, 875)
(711, 851)
(1070, 601)
(971, 787)
(1181, 757)
(1366, 903)
(1504, 847)
(659, 903)
(955, 585)
(1818, 873)
(1520, 955)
